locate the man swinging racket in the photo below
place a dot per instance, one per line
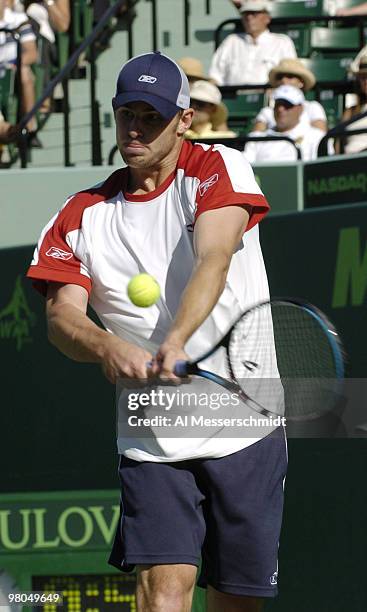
(188, 215)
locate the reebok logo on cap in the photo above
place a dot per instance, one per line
(146, 78)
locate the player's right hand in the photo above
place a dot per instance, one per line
(125, 360)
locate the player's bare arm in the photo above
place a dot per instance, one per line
(79, 338)
(216, 236)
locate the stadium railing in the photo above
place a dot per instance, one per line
(11, 92)
(341, 133)
(88, 44)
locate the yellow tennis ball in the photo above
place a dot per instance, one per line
(143, 290)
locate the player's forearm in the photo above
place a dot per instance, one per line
(200, 296)
(76, 335)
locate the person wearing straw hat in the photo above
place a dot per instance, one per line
(194, 70)
(205, 100)
(246, 57)
(358, 142)
(291, 71)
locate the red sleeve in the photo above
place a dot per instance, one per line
(54, 259)
(229, 181)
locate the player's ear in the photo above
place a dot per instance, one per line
(185, 121)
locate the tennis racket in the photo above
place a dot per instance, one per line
(284, 358)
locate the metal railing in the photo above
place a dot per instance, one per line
(15, 34)
(62, 78)
(340, 131)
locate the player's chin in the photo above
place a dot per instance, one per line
(134, 159)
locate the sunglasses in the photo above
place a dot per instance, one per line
(287, 75)
(199, 104)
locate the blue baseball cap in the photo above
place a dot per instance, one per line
(156, 79)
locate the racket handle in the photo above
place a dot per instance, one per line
(180, 368)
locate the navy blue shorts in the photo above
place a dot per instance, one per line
(226, 511)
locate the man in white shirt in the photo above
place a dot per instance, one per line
(289, 103)
(246, 58)
(188, 214)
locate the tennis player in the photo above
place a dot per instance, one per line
(187, 214)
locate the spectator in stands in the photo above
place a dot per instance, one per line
(289, 106)
(292, 72)
(205, 99)
(358, 142)
(58, 13)
(17, 21)
(359, 9)
(194, 70)
(47, 18)
(246, 58)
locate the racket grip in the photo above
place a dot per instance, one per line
(180, 368)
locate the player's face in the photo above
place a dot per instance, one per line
(255, 22)
(286, 115)
(144, 137)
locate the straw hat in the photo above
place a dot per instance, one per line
(205, 92)
(294, 67)
(192, 67)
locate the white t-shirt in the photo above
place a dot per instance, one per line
(104, 236)
(312, 111)
(8, 46)
(307, 138)
(241, 60)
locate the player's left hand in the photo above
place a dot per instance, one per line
(165, 360)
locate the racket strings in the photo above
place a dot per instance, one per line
(302, 346)
(282, 344)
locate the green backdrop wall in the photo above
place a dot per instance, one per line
(57, 419)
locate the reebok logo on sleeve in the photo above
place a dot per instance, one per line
(205, 185)
(57, 253)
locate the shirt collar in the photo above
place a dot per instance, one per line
(260, 39)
